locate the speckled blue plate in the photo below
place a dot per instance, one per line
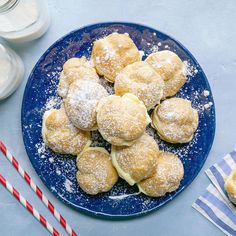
(58, 172)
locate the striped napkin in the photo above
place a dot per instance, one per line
(214, 203)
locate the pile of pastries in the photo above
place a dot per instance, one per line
(121, 118)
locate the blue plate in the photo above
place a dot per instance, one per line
(58, 172)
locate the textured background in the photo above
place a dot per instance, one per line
(207, 29)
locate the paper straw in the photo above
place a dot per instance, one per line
(28, 206)
(36, 189)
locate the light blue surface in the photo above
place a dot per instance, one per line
(207, 29)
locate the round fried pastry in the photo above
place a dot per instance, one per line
(112, 53)
(167, 177)
(171, 68)
(75, 69)
(96, 173)
(121, 120)
(141, 80)
(175, 120)
(81, 102)
(137, 162)
(61, 135)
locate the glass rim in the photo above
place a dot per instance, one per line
(10, 4)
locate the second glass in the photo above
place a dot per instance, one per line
(23, 20)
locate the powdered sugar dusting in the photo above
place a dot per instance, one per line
(59, 171)
(107, 85)
(81, 102)
(68, 185)
(52, 102)
(51, 159)
(206, 93)
(41, 147)
(123, 196)
(154, 49)
(190, 70)
(208, 105)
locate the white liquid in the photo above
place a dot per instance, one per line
(5, 69)
(27, 21)
(11, 71)
(23, 15)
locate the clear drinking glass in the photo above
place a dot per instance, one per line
(23, 20)
(11, 71)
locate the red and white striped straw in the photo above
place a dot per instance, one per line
(28, 206)
(36, 189)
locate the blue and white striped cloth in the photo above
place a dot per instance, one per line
(214, 203)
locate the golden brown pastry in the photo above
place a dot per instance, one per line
(230, 186)
(141, 80)
(167, 177)
(175, 120)
(61, 135)
(121, 120)
(96, 173)
(170, 67)
(75, 69)
(137, 162)
(81, 102)
(112, 53)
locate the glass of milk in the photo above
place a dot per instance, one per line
(23, 20)
(11, 71)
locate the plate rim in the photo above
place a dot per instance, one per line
(84, 209)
